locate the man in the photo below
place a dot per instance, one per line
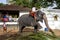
(33, 13)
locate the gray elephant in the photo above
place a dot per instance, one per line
(27, 20)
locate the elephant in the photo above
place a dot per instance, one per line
(27, 20)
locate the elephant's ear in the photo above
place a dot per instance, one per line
(42, 13)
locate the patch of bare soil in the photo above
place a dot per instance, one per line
(57, 32)
(13, 31)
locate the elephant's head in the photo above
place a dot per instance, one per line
(39, 15)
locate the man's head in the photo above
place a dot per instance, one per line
(34, 9)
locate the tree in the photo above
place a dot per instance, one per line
(36, 3)
(58, 4)
(1, 4)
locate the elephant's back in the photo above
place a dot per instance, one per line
(23, 17)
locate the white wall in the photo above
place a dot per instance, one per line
(22, 13)
(52, 23)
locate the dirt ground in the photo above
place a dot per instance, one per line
(14, 30)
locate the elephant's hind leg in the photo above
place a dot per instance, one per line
(21, 28)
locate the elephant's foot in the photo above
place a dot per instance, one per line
(35, 31)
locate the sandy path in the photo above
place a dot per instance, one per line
(13, 30)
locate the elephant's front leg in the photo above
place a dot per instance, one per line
(39, 26)
(36, 27)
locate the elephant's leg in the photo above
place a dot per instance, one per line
(39, 26)
(35, 28)
(22, 28)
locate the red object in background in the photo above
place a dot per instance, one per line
(5, 19)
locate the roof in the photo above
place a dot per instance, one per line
(14, 8)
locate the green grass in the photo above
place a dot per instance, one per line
(35, 36)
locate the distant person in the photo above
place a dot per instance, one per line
(4, 27)
(10, 18)
(7, 15)
(5, 19)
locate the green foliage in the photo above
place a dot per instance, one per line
(58, 3)
(36, 3)
(35, 36)
(1, 4)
